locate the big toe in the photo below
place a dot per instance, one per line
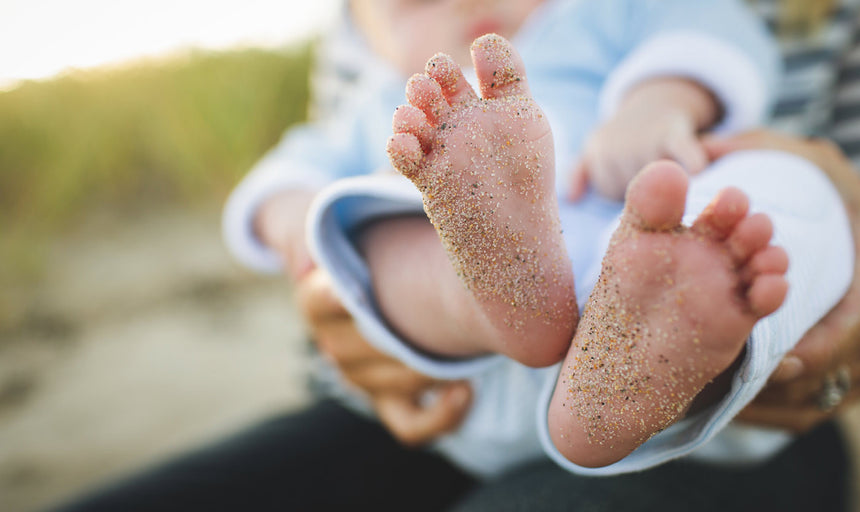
(499, 68)
(656, 197)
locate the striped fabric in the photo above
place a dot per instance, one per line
(820, 93)
(845, 129)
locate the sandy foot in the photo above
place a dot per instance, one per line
(485, 167)
(672, 309)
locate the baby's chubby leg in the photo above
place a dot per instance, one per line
(671, 310)
(485, 167)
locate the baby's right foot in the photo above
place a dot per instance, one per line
(672, 310)
(485, 167)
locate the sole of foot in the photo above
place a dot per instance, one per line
(672, 309)
(485, 167)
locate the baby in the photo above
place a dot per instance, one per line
(673, 306)
(645, 75)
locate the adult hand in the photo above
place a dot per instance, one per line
(829, 354)
(397, 393)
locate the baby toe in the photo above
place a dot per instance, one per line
(770, 260)
(499, 67)
(408, 119)
(766, 294)
(405, 154)
(449, 76)
(722, 215)
(425, 94)
(751, 234)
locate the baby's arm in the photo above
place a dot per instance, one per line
(280, 225)
(714, 49)
(264, 216)
(659, 118)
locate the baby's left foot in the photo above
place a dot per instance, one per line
(672, 310)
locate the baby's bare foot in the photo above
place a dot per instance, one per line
(672, 309)
(485, 166)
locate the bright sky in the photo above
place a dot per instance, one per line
(40, 38)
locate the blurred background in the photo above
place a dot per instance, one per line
(126, 331)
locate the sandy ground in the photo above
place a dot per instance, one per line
(139, 343)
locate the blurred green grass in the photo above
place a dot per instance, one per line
(178, 131)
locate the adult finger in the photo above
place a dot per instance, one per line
(796, 418)
(414, 424)
(384, 377)
(814, 353)
(362, 364)
(835, 338)
(717, 146)
(807, 389)
(822, 152)
(339, 339)
(315, 297)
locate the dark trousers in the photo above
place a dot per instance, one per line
(326, 457)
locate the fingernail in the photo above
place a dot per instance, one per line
(789, 368)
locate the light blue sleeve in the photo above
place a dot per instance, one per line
(323, 151)
(720, 43)
(730, 21)
(308, 157)
(584, 54)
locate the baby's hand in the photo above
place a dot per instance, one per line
(659, 119)
(280, 225)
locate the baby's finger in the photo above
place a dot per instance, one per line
(578, 181)
(686, 149)
(610, 178)
(717, 146)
